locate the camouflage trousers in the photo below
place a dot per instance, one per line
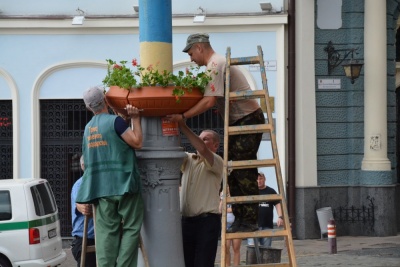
(243, 182)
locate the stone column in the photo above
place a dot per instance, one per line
(375, 88)
(161, 156)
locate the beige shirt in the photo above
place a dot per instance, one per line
(200, 185)
(238, 82)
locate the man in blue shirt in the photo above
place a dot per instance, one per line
(78, 212)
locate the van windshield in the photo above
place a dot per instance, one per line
(43, 199)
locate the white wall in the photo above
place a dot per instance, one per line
(122, 7)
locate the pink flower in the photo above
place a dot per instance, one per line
(134, 62)
(116, 66)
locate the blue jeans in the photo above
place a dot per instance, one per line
(264, 241)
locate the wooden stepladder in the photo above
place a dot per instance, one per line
(268, 127)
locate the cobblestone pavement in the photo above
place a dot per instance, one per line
(351, 251)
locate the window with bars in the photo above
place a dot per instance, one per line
(62, 123)
(6, 140)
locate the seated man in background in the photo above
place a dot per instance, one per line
(78, 212)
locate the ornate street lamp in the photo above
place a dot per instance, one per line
(352, 69)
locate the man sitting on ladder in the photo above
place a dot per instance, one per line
(241, 182)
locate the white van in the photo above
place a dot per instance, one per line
(29, 224)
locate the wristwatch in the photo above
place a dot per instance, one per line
(280, 217)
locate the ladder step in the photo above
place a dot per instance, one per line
(283, 264)
(248, 164)
(254, 198)
(245, 60)
(246, 94)
(250, 129)
(261, 233)
(90, 249)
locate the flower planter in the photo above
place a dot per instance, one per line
(154, 100)
(117, 98)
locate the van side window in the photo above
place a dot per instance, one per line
(5, 206)
(43, 199)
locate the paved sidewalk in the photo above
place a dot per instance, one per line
(351, 251)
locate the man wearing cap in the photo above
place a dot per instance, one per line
(242, 112)
(111, 180)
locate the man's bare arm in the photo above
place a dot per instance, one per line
(197, 143)
(202, 106)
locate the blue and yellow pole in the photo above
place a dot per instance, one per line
(155, 34)
(161, 156)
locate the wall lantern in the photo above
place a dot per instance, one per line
(352, 69)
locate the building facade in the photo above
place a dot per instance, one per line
(344, 152)
(346, 133)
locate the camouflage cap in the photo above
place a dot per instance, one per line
(196, 38)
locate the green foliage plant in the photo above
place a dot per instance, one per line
(119, 74)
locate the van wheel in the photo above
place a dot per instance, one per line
(4, 262)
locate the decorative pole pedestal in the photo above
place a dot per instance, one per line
(159, 165)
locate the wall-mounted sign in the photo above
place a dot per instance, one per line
(329, 83)
(270, 65)
(169, 128)
(329, 14)
(254, 68)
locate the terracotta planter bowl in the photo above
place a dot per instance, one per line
(154, 100)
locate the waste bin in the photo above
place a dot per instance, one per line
(267, 255)
(324, 215)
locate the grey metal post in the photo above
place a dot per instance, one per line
(159, 163)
